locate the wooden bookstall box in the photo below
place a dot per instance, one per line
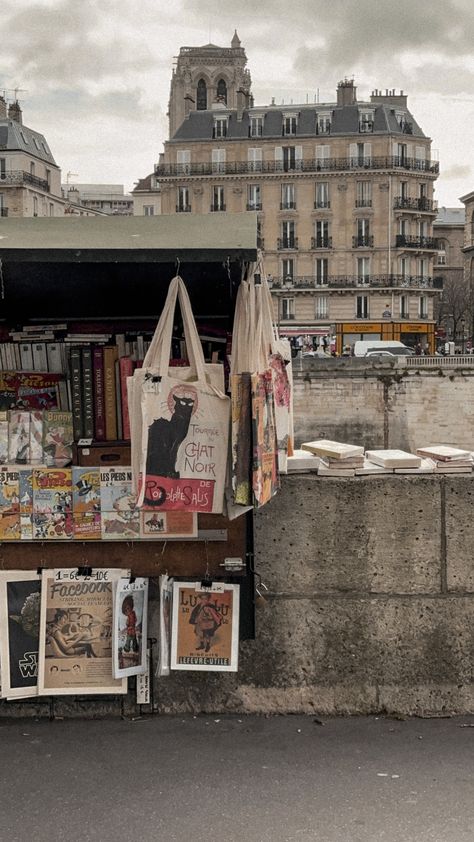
(103, 455)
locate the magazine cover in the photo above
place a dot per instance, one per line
(166, 602)
(167, 525)
(116, 489)
(36, 437)
(26, 527)
(75, 651)
(57, 438)
(52, 490)
(19, 437)
(10, 526)
(9, 489)
(130, 627)
(120, 526)
(87, 526)
(205, 628)
(20, 596)
(25, 477)
(29, 390)
(86, 489)
(3, 437)
(52, 526)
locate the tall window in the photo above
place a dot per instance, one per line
(254, 197)
(405, 267)
(322, 308)
(218, 198)
(423, 268)
(183, 161)
(322, 195)
(218, 160)
(148, 210)
(363, 269)
(324, 123)
(360, 154)
(35, 206)
(256, 126)
(220, 127)
(322, 156)
(404, 189)
(288, 308)
(402, 153)
(288, 234)
(404, 309)
(289, 125)
(423, 307)
(288, 158)
(288, 197)
(322, 271)
(364, 194)
(288, 269)
(183, 205)
(363, 237)
(201, 98)
(322, 239)
(362, 307)
(254, 156)
(222, 90)
(3, 162)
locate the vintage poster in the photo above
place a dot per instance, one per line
(57, 438)
(205, 628)
(9, 489)
(20, 597)
(168, 525)
(130, 627)
(166, 602)
(116, 489)
(10, 528)
(76, 627)
(85, 489)
(120, 526)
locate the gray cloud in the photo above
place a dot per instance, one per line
(457, 171)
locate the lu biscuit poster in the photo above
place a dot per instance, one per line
(205, 627)
(75, 651)
(20, 596)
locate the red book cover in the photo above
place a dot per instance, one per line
(99, 400)
(126, 370)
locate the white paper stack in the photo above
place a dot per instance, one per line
(393, 458)
(324, 471)
(302, 460)
(427, 467)
(371, 469)
(447, 459)
(332, 449)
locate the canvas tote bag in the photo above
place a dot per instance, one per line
(241, 366)
(150, 369)
(185, 423)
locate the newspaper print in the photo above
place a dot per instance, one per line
(205, 629)
(76, 627)
(20, 598)
(130, 627)
(166, 602)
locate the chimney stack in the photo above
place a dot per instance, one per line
(346, 92)
(3, 108)
(14, 112)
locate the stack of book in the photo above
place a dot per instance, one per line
(336, 459)
(397, 460)
(447, 460)
(302, 461)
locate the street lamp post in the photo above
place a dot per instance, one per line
(462, 330)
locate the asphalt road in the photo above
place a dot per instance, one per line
(229, 778)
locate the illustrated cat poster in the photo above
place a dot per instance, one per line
(20, 599)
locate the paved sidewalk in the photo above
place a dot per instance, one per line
(238, 779)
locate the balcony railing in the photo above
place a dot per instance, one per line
(363, 241)
(183, 208)
(363, 203)
(421, 204)
(416, 242)
(357, 281)
(3, 211)
(254, 206)
(322, 204)
(321, 243)
(217, 207)
(310, 165)
(287, 205)
(15, 177)
(287, 243)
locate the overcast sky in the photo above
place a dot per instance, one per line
(96, 73)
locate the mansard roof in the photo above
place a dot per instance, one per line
(17, 137)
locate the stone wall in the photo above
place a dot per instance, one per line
(381, 406)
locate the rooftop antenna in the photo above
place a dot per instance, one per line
(14, 91)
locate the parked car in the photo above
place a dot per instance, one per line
(378, 347)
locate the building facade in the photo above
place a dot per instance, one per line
(109, 199)
(30, 179)
(343, 192)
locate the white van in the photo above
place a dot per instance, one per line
(381, 347)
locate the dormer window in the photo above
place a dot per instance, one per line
(366, 120)
(23, 137)
(37, 144)
(220, 127)
(290, 122)
(256, 126)
(323, 125)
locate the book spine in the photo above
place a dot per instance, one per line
(87, 393)
(118, 399)
(99, 405)
(126, 370)
(76, 393)
(110, 400)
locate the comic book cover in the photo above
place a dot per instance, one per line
(36, 437)
(20, 598)
(26, 527)
(76, 628)
(9, 489)
(25, 476)
(116, 489)
(168, 525)
(53, 526)
(10, 527)
(29, 390)
(130, 627)
(3, 437)
(87, 526)
(166, 602)
(57, 438)
(19, 437)
(86, 489)
(120, 526)
(205, 628)
(52, 490)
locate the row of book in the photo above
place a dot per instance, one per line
(82, 503)
(338, 459)
(41, 437)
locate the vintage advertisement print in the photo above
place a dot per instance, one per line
(76, 627)
(205, 629)
(168, 525)
(130, 627)
(20, 597)
(166, 602)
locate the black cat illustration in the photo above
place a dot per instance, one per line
(165, 437)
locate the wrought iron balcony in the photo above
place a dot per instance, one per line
(287, 243)
(287, 205)
(183, 208)
(16, 177)
(321, 243)
(322, 205)
(363, 203)
(3, 211)
(363, 241)
(421, 204)
(281, 285)
(254, 206)
(217, 207)
(311, 165)
(416, 242)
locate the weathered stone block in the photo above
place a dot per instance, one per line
(460, 533)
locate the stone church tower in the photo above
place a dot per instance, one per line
(206, 76)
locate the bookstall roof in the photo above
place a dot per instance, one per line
(154, 239)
